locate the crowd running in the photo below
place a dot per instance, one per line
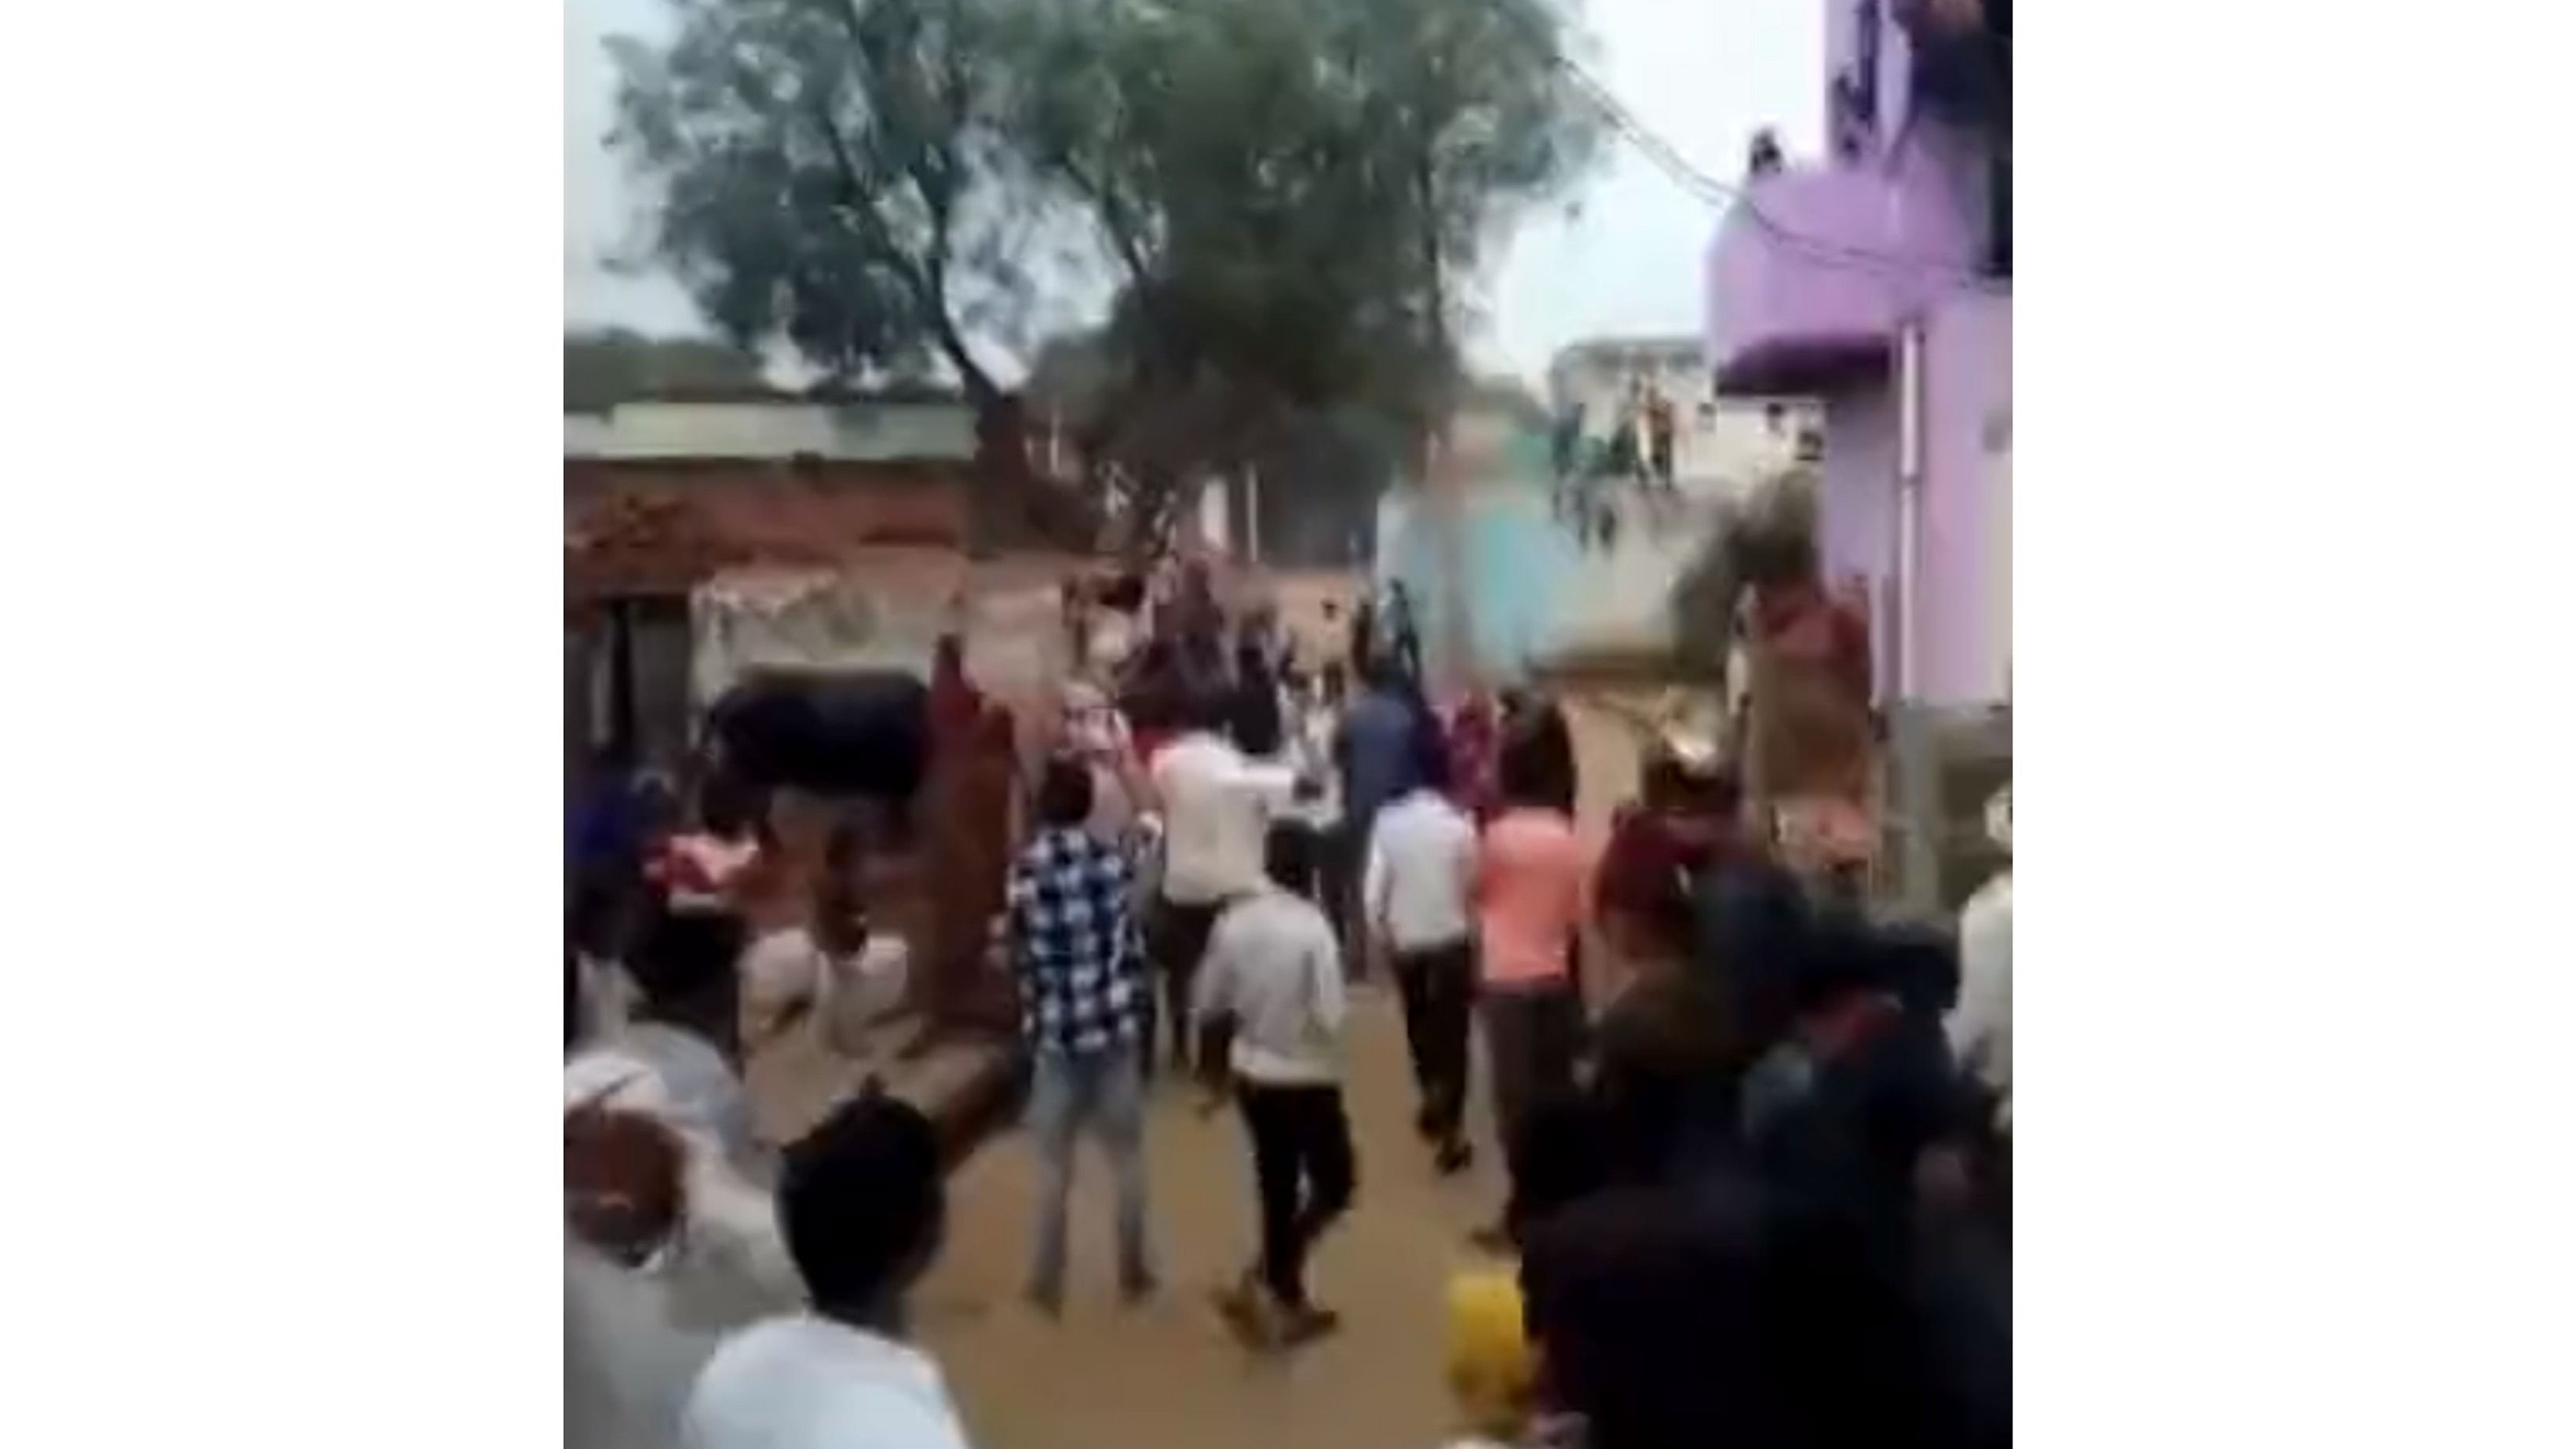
(1757, 1145)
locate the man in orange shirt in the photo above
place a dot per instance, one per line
(1530, 875)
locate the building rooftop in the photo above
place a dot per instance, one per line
(1675, 348)
(921, 424)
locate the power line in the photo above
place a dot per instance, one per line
(1721, 195)
(1718, 194)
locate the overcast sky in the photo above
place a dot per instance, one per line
(1704, 74)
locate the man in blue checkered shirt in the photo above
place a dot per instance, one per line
(1081, 971)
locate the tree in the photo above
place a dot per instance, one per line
(828, 172)
(609, 366)
(1468, 105)
(1288, 189)
(1285, 192)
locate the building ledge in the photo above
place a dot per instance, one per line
(1812, 269)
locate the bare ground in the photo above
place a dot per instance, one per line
(1168, 1373)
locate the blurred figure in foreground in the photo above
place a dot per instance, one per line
(863, 1206)
(669, 1238)
(1980, 1026)
(1666, 1321)
(1662, 1048)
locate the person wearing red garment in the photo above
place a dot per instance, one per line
(955, 702)
(1475, 743)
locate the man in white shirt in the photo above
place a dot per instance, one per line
(1216, 805)
(863, 1207)
(1421, 868)
(1980, 1025)
(647, 1292)
(1275, 970)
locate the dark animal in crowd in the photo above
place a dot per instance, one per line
(864, 733)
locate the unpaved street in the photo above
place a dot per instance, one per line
(1167, 1375)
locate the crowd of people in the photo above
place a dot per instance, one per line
(1756, 1146)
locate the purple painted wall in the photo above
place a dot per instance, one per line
(1967, 398)
(1821, 314)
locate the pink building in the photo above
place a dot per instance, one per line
(1823, 279)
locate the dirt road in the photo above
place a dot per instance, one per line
(1167, 1373)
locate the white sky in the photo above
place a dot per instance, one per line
(1703, 74)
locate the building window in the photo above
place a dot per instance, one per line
(1811, 444)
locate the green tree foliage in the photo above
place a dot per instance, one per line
(1291, 191)
(829, 172)
(1287, 194)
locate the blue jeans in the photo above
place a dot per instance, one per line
(1106, 1092)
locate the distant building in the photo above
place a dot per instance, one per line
(1822, 271)
(891, 426)
(663, 495)
(1721, 445)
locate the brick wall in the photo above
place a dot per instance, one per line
(660, 527)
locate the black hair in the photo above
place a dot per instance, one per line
(1064, 791)
(1919, 967)
(1206, 710)
(1430, 752)
(1848, 1145)
(1562, 1156)
(1662, 783)
(862, 1204)
(1645, 1306)
(1670, 1319)
(1288, 857)
(1536, 764)
(595, 920)
(1373, 667)
(847, 844)
(1752, 934)
(731, 808)
(1720, 791)
(1125, 593)
(686, 958)
(1841, 954)
(1255, 721)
